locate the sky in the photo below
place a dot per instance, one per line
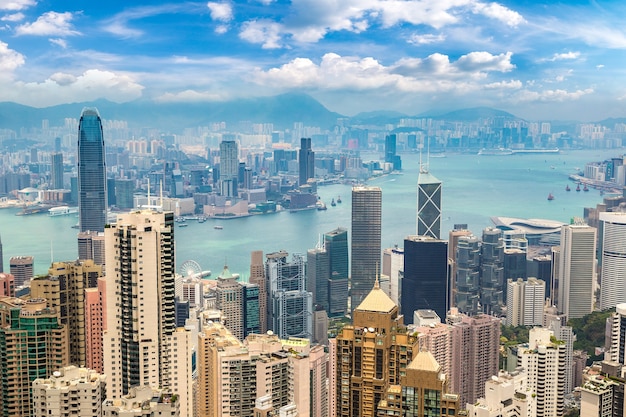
(541, 61)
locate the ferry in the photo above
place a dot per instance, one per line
(62, 211)
(321, 206)
(218, 227)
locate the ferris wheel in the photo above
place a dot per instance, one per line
(190, 268)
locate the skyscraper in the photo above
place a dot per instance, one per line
(525, 301)
(612, 259)
(92, 189)
(140, 341)
(229, 168)
(366, 240)
(56, 171)
(21, 267)
(425, 281)
(257, 277)
(428, 204)
(306, 161)
(336, 244)
(390, 152)
(577, 270)
(318, 276)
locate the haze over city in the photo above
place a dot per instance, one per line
(556, 61)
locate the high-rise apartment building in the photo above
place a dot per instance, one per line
(290, 305)
(525, 301)
(21, 267)
(56, 171)
(257, 277)
(229, 168)
(306, 161)
(428, 204)
(69, 391)
(34, 344)
(492, 282)
(7, 285)
(95, 323)
(616, 335)
(425, 282)
(64, 291)
(229, 301)
(467, 279)
(139, 340)
(372, 355)
(543, 359)
(577, 270)
(505, 395)
(366, 241)
(91, 246)
(92, 184)
(336, 245)
(612, 256)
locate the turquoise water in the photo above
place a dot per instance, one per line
(474, 189)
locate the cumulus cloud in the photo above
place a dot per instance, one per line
(435, 73)
(190, 96)
(14, 17)
(49, 24)
(264, 32)
(499, 12)
(558, 95)
(504, 85)
(222, 12)
(16, 4)
(66, 88)
(266, 2)
(426, 39)
(9, 59)
(563, 56)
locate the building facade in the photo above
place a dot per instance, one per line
(428, 204)
(612, 256)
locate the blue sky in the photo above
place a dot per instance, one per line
(555, 60)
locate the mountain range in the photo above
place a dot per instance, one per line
(282, 110)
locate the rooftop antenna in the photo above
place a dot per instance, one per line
(377, 281)
(148, 204)
(320, 242)
(51, 253)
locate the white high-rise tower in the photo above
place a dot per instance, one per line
(612, 259)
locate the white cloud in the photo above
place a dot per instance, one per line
(16, 4)
(498, 12)
(266, 2)
(426, 39)
(484, 61)
(562, 56)
(558, 95)
(49, 24)
(474, 64)
(222, 12)
(190, 96)
(221, 29)
(504, 85)
(599, 66)
(14, 17)
(9, 59)
(59, 42)
(66, 88)
(264, 32)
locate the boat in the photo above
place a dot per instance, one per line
(495, 151)
(338, 199)
(550, 197)
(567, 188)
(201, 219)
(332, 203)
(183, 225)
(218, 227)
(62, 211)
(578, 187)
(585, 188)
(321, 206)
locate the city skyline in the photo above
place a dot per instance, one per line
(557, 61)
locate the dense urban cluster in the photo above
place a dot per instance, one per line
(348, 329)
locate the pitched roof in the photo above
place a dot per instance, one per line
(377, 300)
(425, 361)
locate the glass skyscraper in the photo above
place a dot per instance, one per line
(428, 204)
(92, 189)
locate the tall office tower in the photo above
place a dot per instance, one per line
(390, 153)
(21, 267)
(616, 335)
(95, 323)
(229, 301)
(34, 344)
(336, 244)
(428, 204)
(1, 257)
(467, 280)
(306, 161)
(492, 283)
(290, 305)
(475, 353)
(124, 190)
(229, 168)
(366, 237)
(425, 282)
(56, 171)
(318, 276)
(143, 401)
(7, 285)
(92, 184)
(423, 391)
(393, 267)
(140, 307)
(453, 241)
(251, 310)
(257, 276)
(525, 302)
(69, 391)
(371, 355)
(505, 395)
(543, 358)
(64, 291)
(612, 259)
(577, 270)
(514, 265)
(91, 246)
